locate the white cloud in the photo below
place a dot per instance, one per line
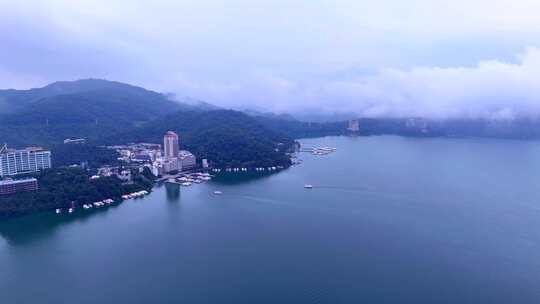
(491, 89)
(288, 55)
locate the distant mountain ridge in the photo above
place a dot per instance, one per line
(97, 109)
(70, 93)
(19, 99)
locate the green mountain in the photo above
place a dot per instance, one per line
(90, 108)
(106, 112)
(84, 101)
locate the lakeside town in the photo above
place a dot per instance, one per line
(167, 162)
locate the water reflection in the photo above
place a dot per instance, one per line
(242, 178)
(21, 230)
(173, 192)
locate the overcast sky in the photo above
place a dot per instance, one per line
(376, 58)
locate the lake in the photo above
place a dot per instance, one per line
(389, 220)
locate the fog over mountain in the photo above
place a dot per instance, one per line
(434, 59)
(491, 89)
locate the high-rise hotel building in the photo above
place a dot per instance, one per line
(13, 162)
(170, 145)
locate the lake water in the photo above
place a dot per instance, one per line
(390, 220)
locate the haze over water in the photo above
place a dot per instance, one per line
(390, 220)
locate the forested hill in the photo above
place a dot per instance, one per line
(114, 93)
(90, 108)
(106, 112)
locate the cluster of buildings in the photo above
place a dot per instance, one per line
(139, 152)
(175, 159)
(23, 161)
(417, 124)
(160, 161)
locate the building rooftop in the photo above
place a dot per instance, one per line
(171, 133)
(17, 181)
(29, 149)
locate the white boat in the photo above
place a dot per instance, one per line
(218, 192)
(308, 186)
(70, 210)
(186, 184)
(58, 211)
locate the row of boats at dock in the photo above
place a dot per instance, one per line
(322, 151)
(98, 204)
(189, 179)
(135, 195)
(258, 169)
(104, 202)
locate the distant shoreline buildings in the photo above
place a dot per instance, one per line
(354, 125)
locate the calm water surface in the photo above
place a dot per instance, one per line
(390, 220)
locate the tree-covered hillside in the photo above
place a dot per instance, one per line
(227, 138)
(106, 112)
(62, 187)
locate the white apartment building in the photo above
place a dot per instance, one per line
(13, 162)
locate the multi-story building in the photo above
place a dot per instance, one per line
(354, 125)
(74, 141)
(175, 159)
(14, 186)
(172, 164)
(170, 145)
(187, 160)
(205, 163)
(13, 162)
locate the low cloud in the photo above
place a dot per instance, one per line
(383, 58)
(491, 89)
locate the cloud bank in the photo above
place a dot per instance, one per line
(429, 58)
(491, 89)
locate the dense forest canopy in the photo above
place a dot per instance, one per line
(59, 187)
